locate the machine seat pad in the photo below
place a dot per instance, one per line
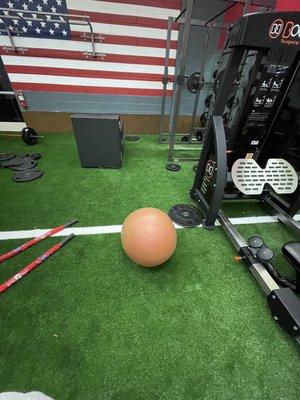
(291, 252)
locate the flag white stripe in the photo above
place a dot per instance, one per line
(83, 64)
(126, 30)
(121, 9)
(72, 45)
(82, 81)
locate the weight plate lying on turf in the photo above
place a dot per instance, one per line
(173, 167)
(12, 162)
(27, 176)
(27, 164)
(131, 138)
(6, 156)
(185, 215)
(35, 156)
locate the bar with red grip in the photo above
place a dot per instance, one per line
(24, 271)
(25, 246)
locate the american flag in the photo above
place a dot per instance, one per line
(130, 35)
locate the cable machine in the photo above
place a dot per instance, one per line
(244, 158)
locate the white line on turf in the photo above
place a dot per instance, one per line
(100, 230)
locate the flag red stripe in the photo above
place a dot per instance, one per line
(17, 69)
(129, 20)
(78, 55)
(172, 4)
(42, 87)
(128, 40)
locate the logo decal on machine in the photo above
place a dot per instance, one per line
(276, 28)
(209, 169)
(288, 31)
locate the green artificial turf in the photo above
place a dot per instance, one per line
(89, 324)
(94, 196)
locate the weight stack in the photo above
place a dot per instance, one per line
(99, 140)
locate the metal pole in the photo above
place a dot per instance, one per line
(246, 7)
(165, 79)
(202, 65)
(180, 76)
(92, 38)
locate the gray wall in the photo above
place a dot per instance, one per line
(73, 102)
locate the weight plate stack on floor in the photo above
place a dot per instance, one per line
(185, 215)
(24, 164)
(27, 164)
(173, 167)
(27, 175)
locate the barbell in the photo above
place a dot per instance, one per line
(193, 83)
(28, 135)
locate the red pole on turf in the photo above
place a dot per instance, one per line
(9, 254)
(7, 284)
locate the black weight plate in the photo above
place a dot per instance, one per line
(203, 118)
(185, 138)
(131, 138)
(173, 167)
(7, 156)
(185, 215)
(199, 136)
(29, 136)
(35, 156)
(27, 176)
(12, 162)
(193, 82)
(27, 164)
(207, 101)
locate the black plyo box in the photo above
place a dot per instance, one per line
(99, 140)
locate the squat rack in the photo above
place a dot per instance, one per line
(180, 77)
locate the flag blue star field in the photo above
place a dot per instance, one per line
(48, 52)
(32, 21)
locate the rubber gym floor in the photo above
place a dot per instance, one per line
(90, 324)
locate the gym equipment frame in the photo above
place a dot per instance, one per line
(180, 78)
(11, 118)
(275, 39)
(71, 19)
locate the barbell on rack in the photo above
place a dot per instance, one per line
(28, 135)
(193, 83)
